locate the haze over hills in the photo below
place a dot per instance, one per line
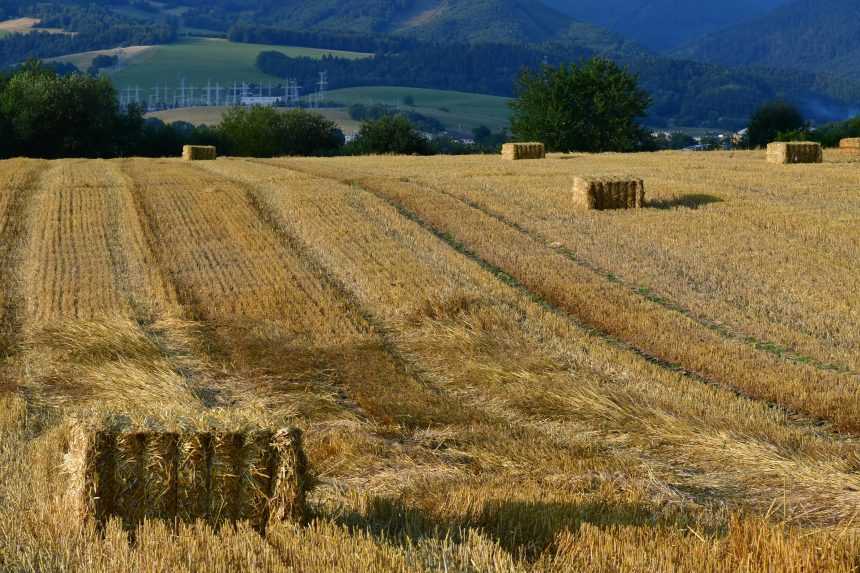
(502, 21)
(814, 35)
(479, 46)
(664, 24)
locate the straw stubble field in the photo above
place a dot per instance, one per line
(488, 379)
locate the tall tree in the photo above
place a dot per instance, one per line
(592, 106)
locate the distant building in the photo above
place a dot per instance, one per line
(260, 100)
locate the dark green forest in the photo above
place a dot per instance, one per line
(683, 93)
(90, 27)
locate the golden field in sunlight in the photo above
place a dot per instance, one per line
(488, 379)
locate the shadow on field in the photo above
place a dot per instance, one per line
(523, 528)
(693, 201)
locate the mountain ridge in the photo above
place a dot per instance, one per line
(811, 35)
(663, 25)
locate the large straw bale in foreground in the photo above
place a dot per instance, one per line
(218, 476)
(794, 152)
(850, 143)
(608, 193)
(516, 151)
(198, 152)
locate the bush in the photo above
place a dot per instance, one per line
(361, 112)
(267, 132)
(830, 134)
(771, 119)
(390, 134)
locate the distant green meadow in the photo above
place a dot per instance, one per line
(201, 60)
(456, 110)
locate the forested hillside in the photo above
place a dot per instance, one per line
(815, 35)
(429, 20)
(663, 24)
(683, 92)
(89, 27)
(481, 45)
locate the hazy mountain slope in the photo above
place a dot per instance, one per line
(663, 24)
(437, 20)
(815, 35)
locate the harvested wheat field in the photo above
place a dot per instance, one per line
(486, 377)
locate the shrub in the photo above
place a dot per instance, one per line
(390, 134)
(771, 119)
(267, 132)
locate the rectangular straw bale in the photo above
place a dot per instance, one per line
(785, 152)
(517, 151)
(608, 193)
(219, 477)
(158, 474)
(290, 475)
(127, 489)
(192, 476)
(198, 152)
(223, 477)
(256, 462)
(850, 143)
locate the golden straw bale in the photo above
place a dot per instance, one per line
(784, 152)
(850, 143)
(198, 152)
(192, 476)
(290, 478)
(220, 476)
(608, 193)
(516, 151)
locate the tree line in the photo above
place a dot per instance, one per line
(51, 115)
(593, 106)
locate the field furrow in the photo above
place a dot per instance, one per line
(726, 236)
(549, 272)
(69, 264)
(646, 325)
(488, 342)
(17, 185)
(281, 327)
(783, 235)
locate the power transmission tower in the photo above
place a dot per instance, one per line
(323, 85)
(294, 88)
